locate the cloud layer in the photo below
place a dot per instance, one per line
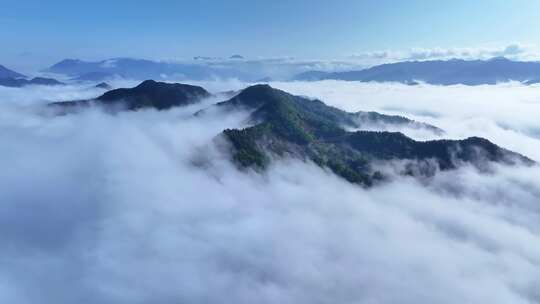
(145, 207)
(513, 51)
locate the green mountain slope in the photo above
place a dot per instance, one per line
(148, 94)
(293, 126)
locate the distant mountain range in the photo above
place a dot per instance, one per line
(285, 125)
(130, 68)
(438, 72)
(7, 73)
(21, 82)
(10, 78)
(199, 68)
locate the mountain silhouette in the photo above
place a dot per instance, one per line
(148, 94)
(438, 72)
(103, 85)
(7, 73)
(21, 82)
(131, 68)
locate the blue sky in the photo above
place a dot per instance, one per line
(42, 32)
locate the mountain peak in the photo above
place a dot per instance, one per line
(150, 83)
(438, 72)
(158, 95)
(7, 73)
(258, 89)
(254, 96)
(103, 85)
(259, 86)
(67, 62)
(499, 59)
(268, 102)
(148, 94)
(236, 56)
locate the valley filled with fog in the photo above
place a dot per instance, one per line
(146, 206)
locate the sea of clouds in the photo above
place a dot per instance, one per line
(145, 207)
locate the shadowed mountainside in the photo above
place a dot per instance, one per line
(148, 94)
(7, 73)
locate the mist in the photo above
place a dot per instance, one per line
(146, 206)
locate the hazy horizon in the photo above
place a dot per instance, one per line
(37, 35)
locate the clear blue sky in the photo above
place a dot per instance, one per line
(33, 31)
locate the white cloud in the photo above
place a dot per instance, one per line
(111, 209)
(511, 51)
